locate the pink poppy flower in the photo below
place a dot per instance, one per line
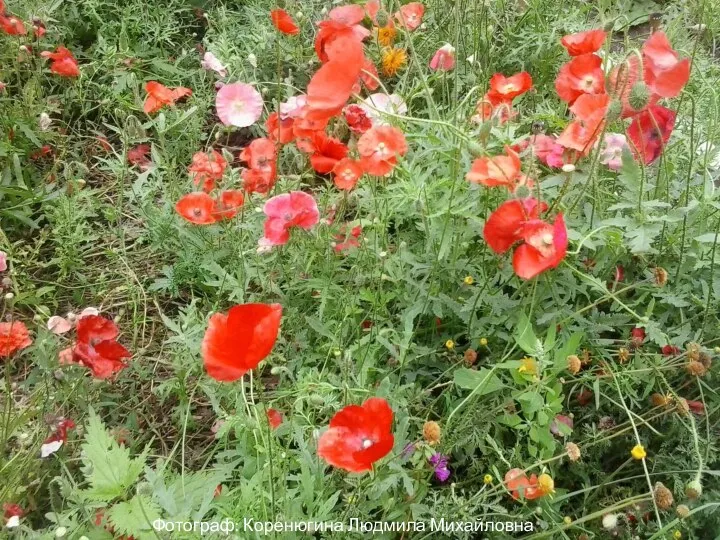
(611, 154)
(294, 209)
(444, 59)
(293, 107)
(238, 104)
(410, 15)
(375, 105)
(211, 63)
(58, 325)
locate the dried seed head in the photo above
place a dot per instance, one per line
(623, 355)
(573, 451)
(661, 276)
(574, 364)
(682, 511)
(586, 358)
(682, 407)
(609, 521)
(663, 496)
(706, 360)
(606, 422)
(695, 368)
(431, 432)
(470, 357)
(659, 400)
(693, 351)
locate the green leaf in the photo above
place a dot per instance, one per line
(107, 466)
(135, 517)
(531, 402)
(483, 379)
(525, 336)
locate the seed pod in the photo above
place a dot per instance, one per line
(693, 490)
(431, 432)
(695, 368)
(573, 451)
(682, 511)
(574, 364)
(663, 496)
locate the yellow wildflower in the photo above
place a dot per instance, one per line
(528, 365)
(386, 35)
(638, 451)
(468, 280)
(393, 60)
(450, 344)
(487, 479)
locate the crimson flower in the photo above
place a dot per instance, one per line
(96, 347)
(637, 335)
(294, 209)
(379, 148)
(274, 417)
(358, 436)
(670, 350)
(282, 20)
(586, 42)
(357, 119)
(63, 62)
(280, 130)
(237, 342)
(327, 151)
(650, 131)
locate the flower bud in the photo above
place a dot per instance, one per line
(639, 96)
(693, 490)
(614, 111)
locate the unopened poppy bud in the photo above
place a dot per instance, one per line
(614, 110)
(431, 432)
(693, 490)
(568, 167)
(275, 370)
(663, 496)
(381, 18)
(682, 511)
(6, 282)
(639, 96)
(522, 192)
(567, 520)
(80, 182)
(477, 150)
(337, 353)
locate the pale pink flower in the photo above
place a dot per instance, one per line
(444, 59)
(65, 357)
(59, 325)
(3, 261)
(89, 311)
(292, 108)
(211, 63)
(375, 105)
(611, 154)
(238, 104)
(547, 150)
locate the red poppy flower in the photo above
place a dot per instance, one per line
(259, 154)
(372, 8)
(63, 62)
(358, 436)
(496, 171)
(327, 152)
(581, 133)
(650, 131)
(12, 25)
(282, 20)
(586, 42)
(670, 350)
(518, 484)
(379, 148)
(332, 85)
(279, 130)
(274, 418)
(582, 75)
(698, 407)
(206, 169)
(443, 59)
(332, 30)
(198, 208)
(492, 106)
(347, 173)
(369, 75)
(231, 200)
(160, 95)
(665, 74)
(544, 248)
(139, 155)
(59, 437)
(357, 119)
(42, 152)
(349, 14)
(504, 89)
(259, 180)
(39, 28)
(410, 15)
(504, 226)
(294, 209)
(621, 81)
(97, 348)
(12, 514)
(237, 342)
(350, 241)
(14, 336)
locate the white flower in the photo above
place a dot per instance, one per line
(376, 105)
(610, 521)
(211, 63)
(45, 121)
(568, 167)
(12, 522)
(49, 448)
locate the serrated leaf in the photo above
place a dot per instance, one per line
(135, 517)
(483, 380)
(525, 336)
(108, 467)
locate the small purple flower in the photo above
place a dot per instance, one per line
(439, 463)
(408, 450)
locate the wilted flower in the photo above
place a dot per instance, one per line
(695, 368)
(431, 432)
(663, 496)
(211, 63)
(573, 451)
(661, 276)
(470, 357)
(574, 364)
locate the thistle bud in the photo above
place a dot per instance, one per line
(693, 490)
(476, 149)
(682, 511)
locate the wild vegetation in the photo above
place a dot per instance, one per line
(363, 266)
